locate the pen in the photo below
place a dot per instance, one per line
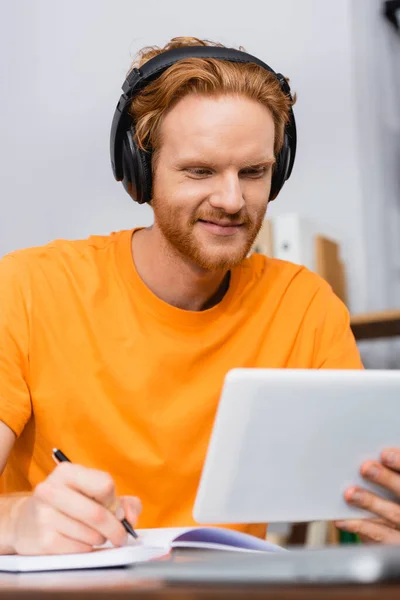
(60, 457)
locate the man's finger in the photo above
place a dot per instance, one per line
(95, 484)
(132, 508)
(116, 508)
(391, 458)
(376, 472)
(55, 543)
(375, 504)
(371, 530)
(83, 509)
(90, 482)
(378, 520)
(76, 530)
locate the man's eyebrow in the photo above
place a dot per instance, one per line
(206, 162)
(265, 162)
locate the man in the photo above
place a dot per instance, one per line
(115, 348)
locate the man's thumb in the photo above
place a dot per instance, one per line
(132, 507)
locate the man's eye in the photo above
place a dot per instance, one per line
(255, 173)
(252, 173)
(200, 172)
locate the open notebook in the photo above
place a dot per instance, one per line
(152, 544)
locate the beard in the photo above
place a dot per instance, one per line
(187, 237)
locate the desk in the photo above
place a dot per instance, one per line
(119, 584)
(376, 325)
(143, 582)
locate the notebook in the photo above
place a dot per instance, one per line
(152, 544)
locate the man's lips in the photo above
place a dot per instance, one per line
(221, 228)
(222, 223)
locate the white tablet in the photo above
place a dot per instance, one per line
(287, 443)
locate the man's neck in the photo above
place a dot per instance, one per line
(173, 280)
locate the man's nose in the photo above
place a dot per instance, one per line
(228, 195)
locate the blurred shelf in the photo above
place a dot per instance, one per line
(370, 326)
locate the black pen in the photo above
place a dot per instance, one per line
(60, 457)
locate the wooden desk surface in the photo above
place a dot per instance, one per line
(376, 325)
(120, 584)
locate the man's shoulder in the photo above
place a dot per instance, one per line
(285, 275)
(297, 295)
(59, 248)
(59, 262)
(61, 252)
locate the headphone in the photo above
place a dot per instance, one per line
(132, 165)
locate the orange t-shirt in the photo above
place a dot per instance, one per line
(92, 362)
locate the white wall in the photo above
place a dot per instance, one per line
(62, 65)
(376, 76)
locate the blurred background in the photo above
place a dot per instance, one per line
(62, 66)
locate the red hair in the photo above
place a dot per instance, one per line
(206, 76)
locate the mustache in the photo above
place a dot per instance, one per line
(238, 218)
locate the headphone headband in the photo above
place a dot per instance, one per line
(138, 78)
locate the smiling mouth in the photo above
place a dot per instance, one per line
(221, 224)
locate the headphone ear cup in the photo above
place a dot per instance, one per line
(136, 165)
(281, 170)
(146, 179)
(129, 168)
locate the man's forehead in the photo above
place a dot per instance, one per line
(216, 158)
(206, 145)
(197, 116)
(207, 150)
(211, 130)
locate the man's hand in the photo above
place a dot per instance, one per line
(72, 510)
(386, 527)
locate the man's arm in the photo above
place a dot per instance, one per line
(15, 406)
(7, 503)
(7, 439)
(74, 508)
(68, 512)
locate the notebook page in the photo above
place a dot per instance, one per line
(152, 543)
(162, 537)
(204, 537)
(223, 539)
(101, 557)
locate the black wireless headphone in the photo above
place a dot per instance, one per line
(132, 166)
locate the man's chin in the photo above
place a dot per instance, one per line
(217, 262)
(219, 256)
(211, 252)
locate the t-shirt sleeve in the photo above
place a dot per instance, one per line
(15, 402)
(335, 345)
